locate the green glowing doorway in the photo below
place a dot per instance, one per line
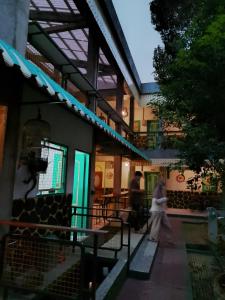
(81, 188)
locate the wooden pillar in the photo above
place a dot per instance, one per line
(11, 87)
(92, 101)
(92, 75)
(14, 16)
(119, 100)
(131, 121)
(92, 68)
(92, 180)
(132, 170)
(117, 174)
(118, 159)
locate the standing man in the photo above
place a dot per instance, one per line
(136, 199)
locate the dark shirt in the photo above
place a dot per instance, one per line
(134, 196)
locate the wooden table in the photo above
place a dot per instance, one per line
(115, 197)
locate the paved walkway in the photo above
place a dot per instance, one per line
(169, 276)
(186, 212)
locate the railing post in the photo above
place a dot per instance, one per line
(74, 239)
(128, 249)
(82, 266)
(2, 255)
(94, 284)
(117, 202)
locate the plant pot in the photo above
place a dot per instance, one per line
(219, 287)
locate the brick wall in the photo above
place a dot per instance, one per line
(193, 200)
(51, 210)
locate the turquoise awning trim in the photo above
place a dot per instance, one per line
(12, 57)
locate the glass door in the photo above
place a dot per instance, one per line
(151, 179)
(80, 188)
(153, 134)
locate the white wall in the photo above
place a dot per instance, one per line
(172, 183)
(143, 114)
(66, 128)
(108, 173)
(125, 175)
(100, 167)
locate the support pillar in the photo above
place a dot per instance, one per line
(14, 16)
(118, 159)
(92, 68)
(131, 175)
(11, 87)
(131, 121)
(119, 100)
(117, 176)
(92, 181)
(92, 75)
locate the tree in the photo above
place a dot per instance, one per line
(191, 74)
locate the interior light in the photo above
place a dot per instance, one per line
(124, 112)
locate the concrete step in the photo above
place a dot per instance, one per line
(141, 263)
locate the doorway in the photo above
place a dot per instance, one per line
(153, 134)
(80, 188)
(151, 179)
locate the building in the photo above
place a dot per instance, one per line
(73, 117)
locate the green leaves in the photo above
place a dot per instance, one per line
(190, 69)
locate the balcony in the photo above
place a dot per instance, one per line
(157, 139)
(159, 146)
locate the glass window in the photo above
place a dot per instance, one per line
(53, 180)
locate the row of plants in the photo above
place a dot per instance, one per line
(218, 250)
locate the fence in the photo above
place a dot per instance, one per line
(112, 222)
(37, 261)
(47, 265)
(157, 139)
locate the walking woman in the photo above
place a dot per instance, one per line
(158, 213)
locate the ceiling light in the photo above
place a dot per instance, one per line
(124, 112)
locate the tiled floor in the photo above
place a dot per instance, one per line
(169, 276)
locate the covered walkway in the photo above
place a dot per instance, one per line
(169, 278)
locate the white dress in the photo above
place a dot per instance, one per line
(158, 218)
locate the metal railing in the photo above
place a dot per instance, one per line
(112, 222)
(156, 139)
(47, 265)
(115, 222)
